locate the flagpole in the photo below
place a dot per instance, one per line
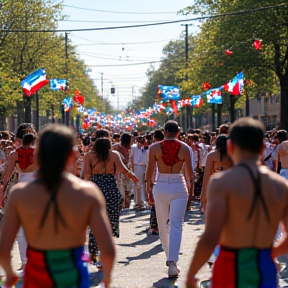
(37, 112)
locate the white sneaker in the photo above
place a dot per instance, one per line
(173, 271)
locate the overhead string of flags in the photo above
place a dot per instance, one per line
(169, 97)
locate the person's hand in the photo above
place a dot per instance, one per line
(11, 279)
(150, 198)
(191, 282)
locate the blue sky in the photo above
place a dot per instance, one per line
(93, 46)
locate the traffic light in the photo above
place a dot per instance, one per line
(112, 90)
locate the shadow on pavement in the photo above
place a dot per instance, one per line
(95, 278)
(146, 241)
(166, 283)
(145, 255)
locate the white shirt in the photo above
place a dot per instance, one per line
(139, 155)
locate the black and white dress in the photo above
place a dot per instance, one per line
(114, 202)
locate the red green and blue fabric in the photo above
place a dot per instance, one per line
(244, 268)
(56, 269)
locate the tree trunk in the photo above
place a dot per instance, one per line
(284, 101)
(232, 108)
(247, 106)
(219, 114)
(213, 117)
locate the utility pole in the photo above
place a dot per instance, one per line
(102, 87)
(188, 119)
(67, 114)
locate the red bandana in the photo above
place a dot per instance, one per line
(25, 157)
(170, 150)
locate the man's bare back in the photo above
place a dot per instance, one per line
(76, 199)
(183, 155)
(238, 231)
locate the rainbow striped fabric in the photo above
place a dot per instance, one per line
(56, 269)
(244, 268)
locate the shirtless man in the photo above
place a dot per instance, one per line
(55, 210)
(123, 182)
(170, 191)
(245, 205)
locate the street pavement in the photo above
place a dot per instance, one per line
(141, 260)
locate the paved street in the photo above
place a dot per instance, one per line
(141, 260)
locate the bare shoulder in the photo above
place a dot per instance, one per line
(275, 178)
(86, 188)
(18, 189)
(212, 154)
(155, 146)
(114, 154)
(185, 146)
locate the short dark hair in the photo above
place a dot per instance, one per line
(28, 139)
(102, 133)
(248, 134)
(171, 126)
(126, 140)
(158, 135)
(281, 135)
(116, 136)
(224, 129)
(21, 130)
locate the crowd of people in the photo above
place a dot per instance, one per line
(52, 203)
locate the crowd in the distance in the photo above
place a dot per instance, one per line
(118, 162)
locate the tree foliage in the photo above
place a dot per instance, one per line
(267, 68)
(21, 53)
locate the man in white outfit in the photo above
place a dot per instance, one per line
(138, 165)
(170, 191)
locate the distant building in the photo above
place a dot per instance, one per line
(266, 108)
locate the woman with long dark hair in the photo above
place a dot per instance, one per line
(100, 166)
(54, 211)
(217, 160)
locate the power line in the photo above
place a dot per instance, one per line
(123, 43)
(117, 12)
(130, 64)
(119, 21)
(156, 23)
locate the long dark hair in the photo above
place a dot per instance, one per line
(55, 145)
(102, 147)
(221, 146)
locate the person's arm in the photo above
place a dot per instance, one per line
(102, 231)
(275, 157)
(132, 159)
(150, 168)
(121, 167)
(281, 247)
(207, 174)
(188, 170)
(11, 162)
(87, 170)
(214, 220)
(9, 229)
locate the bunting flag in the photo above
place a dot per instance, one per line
(67, 103)
(236, 85)
(196, 101)
(78, 98)
(34, 82)
(167, 93)
(214, 96)
(58, 84)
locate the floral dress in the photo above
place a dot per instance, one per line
(114, 202)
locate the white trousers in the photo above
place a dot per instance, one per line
(22, 245)
(21, 239)
(284, 173)
(170, 194)
(140, 190)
